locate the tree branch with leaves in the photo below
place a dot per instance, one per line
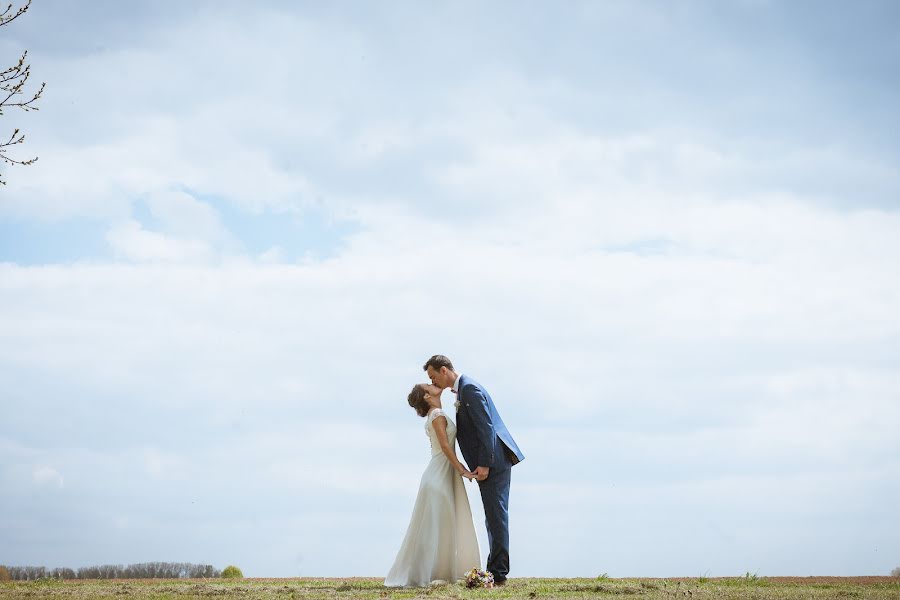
(13, 82)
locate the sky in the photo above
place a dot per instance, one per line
(664, 236)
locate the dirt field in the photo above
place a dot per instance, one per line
(760, 588)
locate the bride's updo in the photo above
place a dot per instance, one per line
(417, 400)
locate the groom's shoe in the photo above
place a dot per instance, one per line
(499, 582)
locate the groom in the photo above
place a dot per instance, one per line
(486, 445)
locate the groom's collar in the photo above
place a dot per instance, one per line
(455, 387)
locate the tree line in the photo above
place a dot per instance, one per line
(149, 570)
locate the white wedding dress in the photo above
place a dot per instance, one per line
(440, 543)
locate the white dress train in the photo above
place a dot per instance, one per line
(440, 543)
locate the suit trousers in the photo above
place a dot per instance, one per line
(495, 498)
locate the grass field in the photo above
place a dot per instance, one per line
(367, 588)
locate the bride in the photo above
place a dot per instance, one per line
(440, 543)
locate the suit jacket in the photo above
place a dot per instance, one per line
(481, 433)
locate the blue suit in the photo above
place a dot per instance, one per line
(485, 442)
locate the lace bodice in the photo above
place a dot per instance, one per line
(432, 436)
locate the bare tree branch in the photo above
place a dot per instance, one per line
(12, 84)
(6, 18)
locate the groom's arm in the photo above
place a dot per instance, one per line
(477, 406)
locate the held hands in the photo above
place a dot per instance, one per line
(481, 473)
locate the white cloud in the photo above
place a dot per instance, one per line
(687, 367)
(129, 240)
(273, 255)
(182, 215)
(162, 464)
(48, 476)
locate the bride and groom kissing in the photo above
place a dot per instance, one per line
(440, 542)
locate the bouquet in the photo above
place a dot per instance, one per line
(478, 578)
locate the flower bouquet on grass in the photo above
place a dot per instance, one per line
(478, 578)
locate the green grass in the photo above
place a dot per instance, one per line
(747, 586)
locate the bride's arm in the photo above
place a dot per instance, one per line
(440, 429)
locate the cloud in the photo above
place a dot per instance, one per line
(49, 476)
(131, 241)
(713, 359)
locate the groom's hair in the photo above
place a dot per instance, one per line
(416, 399)
(437, 361)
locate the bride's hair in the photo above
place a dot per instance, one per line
(416, 399)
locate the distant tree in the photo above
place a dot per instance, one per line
(207, 571)
(27, 573)
(895, 572)
(232, 572)
(151, 570)
(12, 85)
(4, 574)
(88, 573)
(62, 573)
